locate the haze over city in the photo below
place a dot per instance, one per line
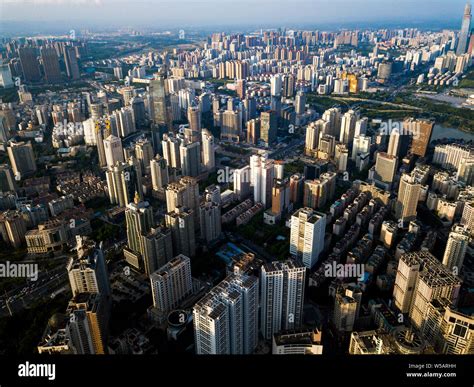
(177, 14)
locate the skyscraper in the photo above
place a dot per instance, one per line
(465, 30)
(420, 132)
(29, 64)
(113, 151)
(208, 151)
(210, 216)
(52, 71)
(123, 182)
(161, 102)
(171, 283)
(88, 271)
(307, 235)
(407, 200)
(22, 158)
(7, 180)
(226, 319)
(456, 249)
(139, 219)
(6, 79)
(87, 327)
(159, 173)
(241, 179)
(268, 127)
(261, 178)
(190, 155)
(193, 133)
(385, 169)
(282, 297)
(183, 193)
(448, 330)
(181, 223)
(170, 145)
(72, 65)
(313, 133)
(348, 124)
(420, 279)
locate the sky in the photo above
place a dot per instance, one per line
(185, 13)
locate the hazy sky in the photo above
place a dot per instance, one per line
(179, 13)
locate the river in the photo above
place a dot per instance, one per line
(440, 132)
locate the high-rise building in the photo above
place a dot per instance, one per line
(185, 193)
(465, 171)
(241, 178)
(344, 312)
(12, 228)
(385, 169)
(231, 128)
(159, 173)
(253, 131)
(276, 85)
(181, 223)
(300, 103)
(210, 216)
(449, 156)
(450, 331)
(190, 155)
(193, 133)
(208, 151)
(307, 235)
(226, 319)
(29, 64)
(161, 102)
(7, 180)
(87, 326)
(22, 158)
(72, 65)
(348, 124)
(465, 30)
(280, 196)
(171, 283)
(144, 154)
(282, 297)
(113, 151)
(88, 271)
(261, 178)
(420, 279)
(156, 248)
(467, 218)
(420, 132)
(170, 145)
(333, 117)
(296, 188)
(52, 71)
(456, 249)
(139, 220)
(313, 132)
(6, 79)
(268, 127)
(124, 182)
(360, 146)
(407, 200)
